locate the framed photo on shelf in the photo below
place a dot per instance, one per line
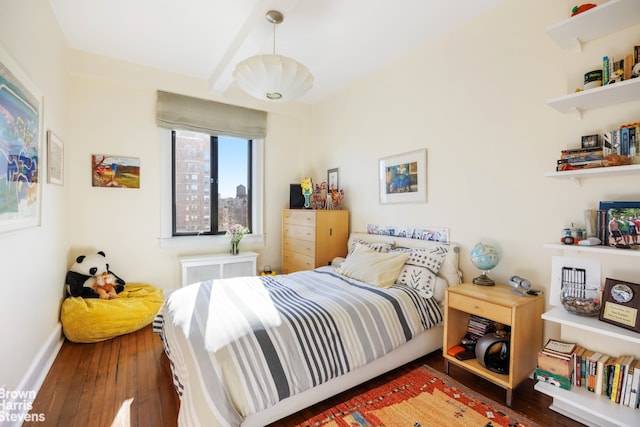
(333, 179)
(55, 159)
(620, 304)
(591, 141)
(403, 178)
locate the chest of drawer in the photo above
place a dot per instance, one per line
(298, 261)
(481, 308)
(304, 247)
(302, 232)
(299, 217)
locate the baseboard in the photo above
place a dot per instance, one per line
(28, 388)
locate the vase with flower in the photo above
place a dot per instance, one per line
(307, 189)
(235, 233)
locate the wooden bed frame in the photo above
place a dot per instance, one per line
(425, 343)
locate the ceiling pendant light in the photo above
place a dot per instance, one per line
(273, 77)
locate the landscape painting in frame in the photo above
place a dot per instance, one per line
(115, 171)
(20, 134)
(403, 178)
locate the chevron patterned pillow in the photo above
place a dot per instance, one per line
(421, 267)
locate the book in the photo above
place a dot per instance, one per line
(559, 349)
(605, 70)
(584, 374)
(626, 387)
(591, 371)
(553, 379)
(635, 385)
(555, 365)
(599, 381)
(577, 366)
(609, 371)
(618, 377)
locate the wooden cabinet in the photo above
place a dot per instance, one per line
(313, 238)
(500, 304)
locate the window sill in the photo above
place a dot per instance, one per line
(210, 243)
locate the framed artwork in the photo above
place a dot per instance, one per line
(20, 134)
(621, 304)
(115, 171)
(55, 159)
(332, 179)
(403, 178)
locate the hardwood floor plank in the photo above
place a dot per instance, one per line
(88, 383)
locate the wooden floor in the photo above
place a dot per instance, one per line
(89, 383)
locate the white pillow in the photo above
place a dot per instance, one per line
(421, 268)
(382, 247)
(374, 268)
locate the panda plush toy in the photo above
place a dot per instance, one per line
(82, 278)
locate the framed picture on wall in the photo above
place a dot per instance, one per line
(333, 182)
(55, 159)
(403, 178)
(20, 154)
(115, 171)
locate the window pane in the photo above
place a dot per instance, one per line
(191, 187)
(233, 182)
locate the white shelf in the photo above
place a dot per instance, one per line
(602, 96)
(607, 18)
(593, 409)
(596, 172)
(599, 249)
(591, 324)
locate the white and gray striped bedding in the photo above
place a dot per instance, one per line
(238, 346)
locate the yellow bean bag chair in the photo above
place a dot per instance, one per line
(93, 320)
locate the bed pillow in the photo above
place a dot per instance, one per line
(375, 268)
(382, 247)
(421, 268)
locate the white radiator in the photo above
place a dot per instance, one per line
(197, 268)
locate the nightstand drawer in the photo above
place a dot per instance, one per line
(481, 308)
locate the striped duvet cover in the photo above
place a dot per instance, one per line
(238, 346)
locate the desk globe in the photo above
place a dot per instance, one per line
(485, 258)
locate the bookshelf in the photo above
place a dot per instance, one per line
(609, 17)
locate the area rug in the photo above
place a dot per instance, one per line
(422, 398)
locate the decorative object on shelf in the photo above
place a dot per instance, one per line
(403, 178)
(273, 77)
(576, 297)
(484, 257)
(307, 188)
(582, 8)
(621, 304)
(235, 233)
(592, 79)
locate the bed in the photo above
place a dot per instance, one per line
(249, 351)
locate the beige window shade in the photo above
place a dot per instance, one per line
(175, 111)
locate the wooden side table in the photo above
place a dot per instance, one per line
(500, 304)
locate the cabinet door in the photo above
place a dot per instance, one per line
(332, 233)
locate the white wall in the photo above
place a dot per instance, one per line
(33, 261)
(475, 99)
(112, 111)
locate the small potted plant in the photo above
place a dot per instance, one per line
(235, 233)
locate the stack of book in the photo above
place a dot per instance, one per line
(579, 158)
(565, 364)
(478, 327)
(556, 363)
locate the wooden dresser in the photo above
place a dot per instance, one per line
(313, 238)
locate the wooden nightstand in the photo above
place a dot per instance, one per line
(500, 304)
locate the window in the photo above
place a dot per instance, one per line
(212, 183)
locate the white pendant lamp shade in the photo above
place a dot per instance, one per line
(273, 77)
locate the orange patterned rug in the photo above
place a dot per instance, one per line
(421, 398)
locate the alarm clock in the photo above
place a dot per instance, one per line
(492, 352)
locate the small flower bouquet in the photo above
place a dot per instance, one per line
(236, 232)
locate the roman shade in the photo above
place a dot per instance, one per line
(175, 111)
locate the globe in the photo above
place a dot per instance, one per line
(484, 257)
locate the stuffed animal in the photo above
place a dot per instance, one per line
(105, 286)
(84, 274)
